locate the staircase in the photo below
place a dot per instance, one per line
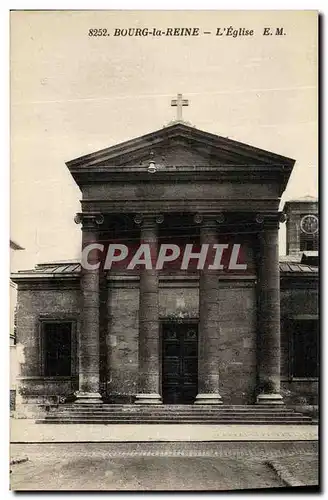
(107, 414)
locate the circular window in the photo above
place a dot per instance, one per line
(310, 224)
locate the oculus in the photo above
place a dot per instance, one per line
(309, 224)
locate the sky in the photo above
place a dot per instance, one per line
(72, 94)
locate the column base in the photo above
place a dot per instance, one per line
(269, 399)
(208, 399)
(148, 399)
(88, 397)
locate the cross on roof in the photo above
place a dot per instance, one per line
(179, 102)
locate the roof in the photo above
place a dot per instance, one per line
(304, 199)
(180, 130)
(15, 246)
(310, 257)
(294, 267)
(72, 269)
(310, 253)
(304, 203)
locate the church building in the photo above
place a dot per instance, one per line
(241, 334)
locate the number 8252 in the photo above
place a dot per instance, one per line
(98, 32)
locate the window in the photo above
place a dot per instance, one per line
(305, 348)
(57, 348)
(308, 242)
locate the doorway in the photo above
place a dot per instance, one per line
(180, 362)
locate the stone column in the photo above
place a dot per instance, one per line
(269, 310)
(88, 344)
(209, 328)
(149, 352)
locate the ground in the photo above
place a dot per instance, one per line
(163, 466)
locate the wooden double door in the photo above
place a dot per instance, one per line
(180, 363)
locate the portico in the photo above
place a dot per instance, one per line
(264, 278)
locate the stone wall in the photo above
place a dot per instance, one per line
(238, 343)
(178, 300)
(299, 303)
(35, 304)
(13, 376)
(122, 342)
(236, 358)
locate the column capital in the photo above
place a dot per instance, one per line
(270, 220)
(89, 220)
(152, 219)
(204, 219)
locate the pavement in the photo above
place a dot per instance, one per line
(297, 470)
(27, 431)
(169, 466)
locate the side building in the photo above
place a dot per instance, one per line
(14, 266)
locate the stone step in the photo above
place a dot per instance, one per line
(170, 421)
(195, 409)
(176, 417)
(179, 418)
(173, 407)
(172, 412)
(177, 414)
(215, 421)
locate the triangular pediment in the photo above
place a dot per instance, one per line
(183, 153)
(177, 152)
(180, 144)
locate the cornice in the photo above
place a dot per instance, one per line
(149, 206)
(288, 280)
(234, 173)
(35, 281)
